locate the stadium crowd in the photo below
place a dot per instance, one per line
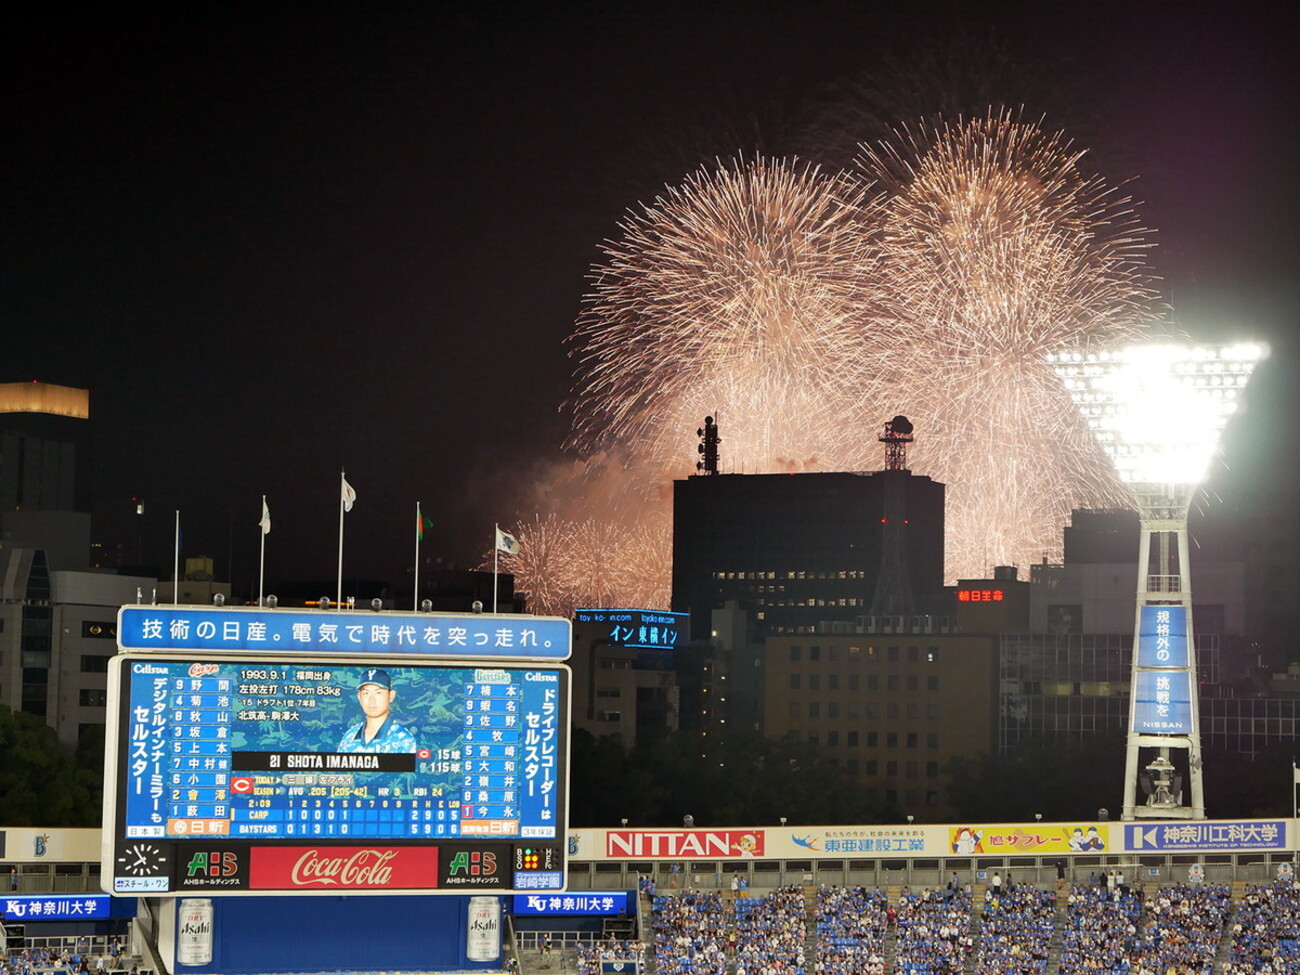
(1015, 931)
(771, 933)
(1266, 931)
(1181, 929)
(851, 928)
(932, 931)
(690, 934)
(1107, 929)
(592, 953)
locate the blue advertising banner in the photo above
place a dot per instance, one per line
(639, 629)
(1162, 636)
(583, 902)
(329, 631)
(1163, 703)
(1248, 834)
(64, 907)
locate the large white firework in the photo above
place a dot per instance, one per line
(741, 294)
(805, 309)
(996, 248)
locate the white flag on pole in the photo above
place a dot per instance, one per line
(507, 543)
(266, 518)
(349, 495)
(1295, 772)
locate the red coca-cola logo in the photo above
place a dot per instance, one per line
(365, 868)
(343, 868)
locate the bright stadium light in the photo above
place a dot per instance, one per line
(1158, 412)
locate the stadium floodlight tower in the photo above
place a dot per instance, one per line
(1158, 411)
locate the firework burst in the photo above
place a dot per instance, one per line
(996, 248)
(743, 294)
(804, 309)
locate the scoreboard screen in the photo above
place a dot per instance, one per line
(334, 774)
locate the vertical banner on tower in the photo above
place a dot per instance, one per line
(1163, 685)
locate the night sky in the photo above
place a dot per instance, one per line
(278, 241)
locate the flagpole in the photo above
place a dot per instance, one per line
(419, 526)
(339, 595)
(496, 557)
(176, 563)
(261, 567)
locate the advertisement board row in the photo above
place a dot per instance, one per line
(913, 841)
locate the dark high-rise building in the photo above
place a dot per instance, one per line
(796, 550)
(43, 436)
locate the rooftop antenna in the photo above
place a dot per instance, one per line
(893, 596)
(896, 436)
(708, 448)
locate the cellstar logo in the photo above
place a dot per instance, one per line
(473, 863)
(342, 868)
(684, 843)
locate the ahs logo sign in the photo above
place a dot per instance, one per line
(469, 863)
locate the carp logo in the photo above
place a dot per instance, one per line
(202, 670)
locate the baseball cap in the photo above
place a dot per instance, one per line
(379, 678)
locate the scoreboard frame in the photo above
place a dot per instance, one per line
(215, 865)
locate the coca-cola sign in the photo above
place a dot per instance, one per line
(343, 867)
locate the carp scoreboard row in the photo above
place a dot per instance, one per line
(334, 775)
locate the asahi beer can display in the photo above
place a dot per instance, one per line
(483, 937)
(194, 932)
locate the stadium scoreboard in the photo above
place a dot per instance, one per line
(368, 769)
